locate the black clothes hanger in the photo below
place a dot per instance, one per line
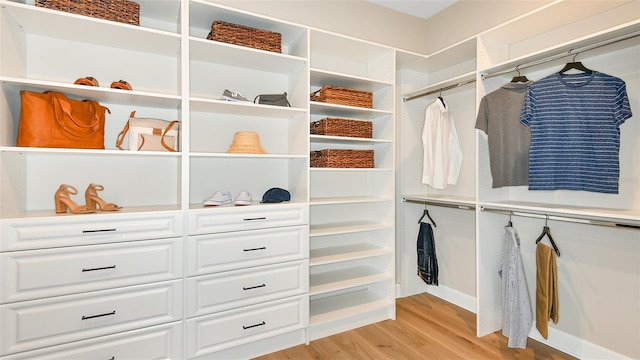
(575, 65)
(510, 224)
(547, 232)
(426, 213)
(519, 78)
(443, 104)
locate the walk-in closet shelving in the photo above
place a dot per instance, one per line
(576, 265)
(351, 210)
(449, 73)
(258, 254)
(590, 35)
(215, 67)
(104, 50)
(603, 36)
(63, 267)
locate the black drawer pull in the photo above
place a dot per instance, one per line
(252, 326)
(97, 231)
(257, 218)
(100, 268)
(256, 249)
(254, 287)
(112, 358)
(97, 316)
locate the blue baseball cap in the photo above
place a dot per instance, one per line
(275, 195)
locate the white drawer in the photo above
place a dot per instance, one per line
(235, 250)
(216, 220)
(213, 293)
(35, 324)
(152, 343)
(86, 229)
(212, 333)
(38, 274)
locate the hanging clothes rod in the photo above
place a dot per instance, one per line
(574, 52)
(441, 204)
(438, 90)
(564, 218)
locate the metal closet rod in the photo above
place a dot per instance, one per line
(441, 204)
(565, 218)
(438, 90)
(560, 56)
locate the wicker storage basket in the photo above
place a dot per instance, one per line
(342, 127)
(343, 96)
(245, 36)
(123, 11)
(342, 158)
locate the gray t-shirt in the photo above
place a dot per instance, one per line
(499, 118)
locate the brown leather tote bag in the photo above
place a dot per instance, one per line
(52, 120)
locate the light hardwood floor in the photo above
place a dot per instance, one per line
(426, 327)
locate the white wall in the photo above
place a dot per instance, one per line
(467, 18)
(364, 20)
(356, 18)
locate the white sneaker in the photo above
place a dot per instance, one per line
(243, 198)
(233, 96)
(218, 199)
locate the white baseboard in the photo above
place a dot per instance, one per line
(574, 346)
(453, 296)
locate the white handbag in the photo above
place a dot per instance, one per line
(147, 134)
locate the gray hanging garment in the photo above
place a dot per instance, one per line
(517, 317)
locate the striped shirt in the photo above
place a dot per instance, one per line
(575, 131)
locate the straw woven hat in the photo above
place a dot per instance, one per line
(246, 142)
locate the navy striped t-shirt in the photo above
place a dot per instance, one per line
(575, 131)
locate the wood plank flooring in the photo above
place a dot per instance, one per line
(426, 327)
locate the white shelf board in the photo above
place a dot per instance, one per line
(242, 57)
(344, 111)
(625, 216)
(338, 140)
(462, 51)
(344, 279)
(355, 170)
(323, 256)
(546, 18)
(338, 307)
(99, 94)
(88, 30)
(346, 48)
(564, 48)
(347, 200)
(345, 228)
(409, 60)
(43, 214)
(197, 207)
(320, 78)
(243, 108)
(246, 156)
(88, 152)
